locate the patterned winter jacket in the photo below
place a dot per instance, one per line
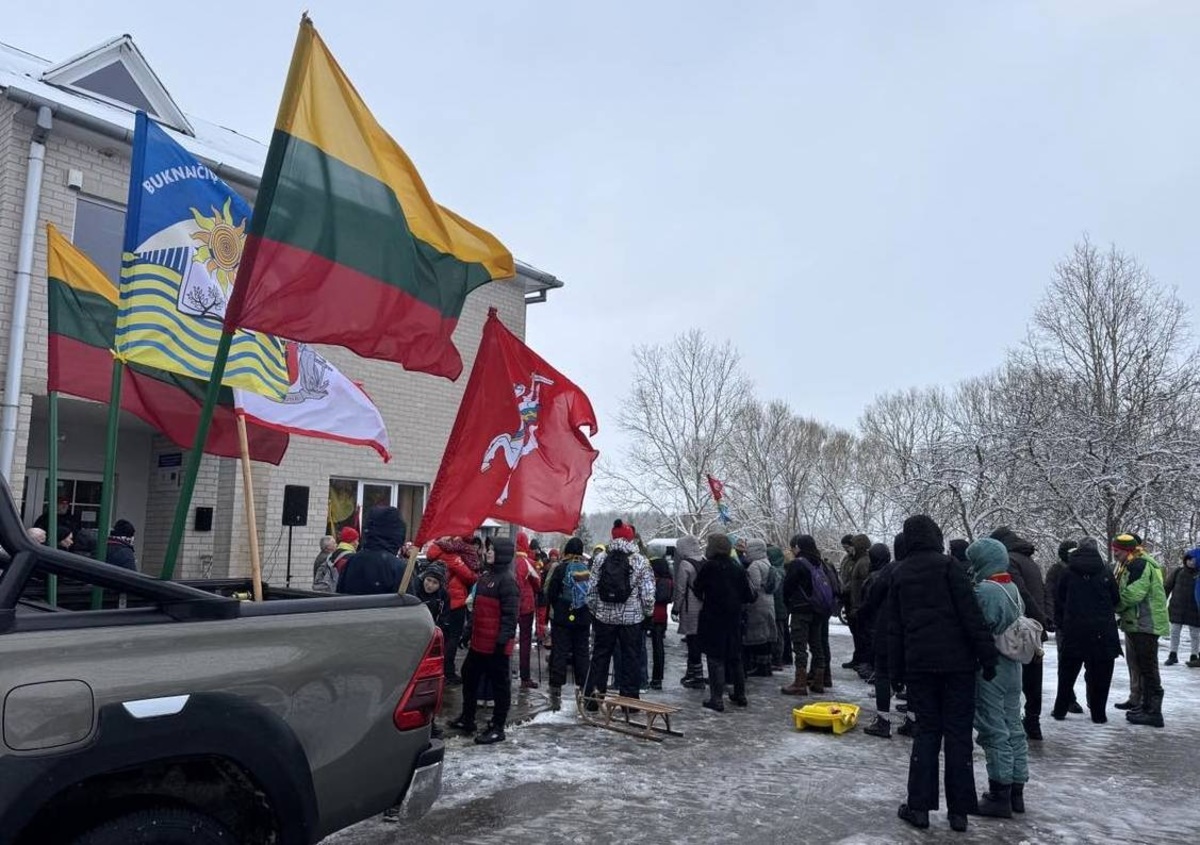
(640, 603)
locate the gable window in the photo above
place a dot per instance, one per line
(116, 83)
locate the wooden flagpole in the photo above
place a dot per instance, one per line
(408, 570)
(251, 521)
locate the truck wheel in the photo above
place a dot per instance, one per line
(159, 826)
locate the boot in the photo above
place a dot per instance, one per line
(1172, 659)
(881, 727)
(827, 678)
(908, 728)
(917, 818)
(799, 686)
(996, 803)
(1152, 713)
(1018, 797)
(1074, 707)
(1194, 662)
(958, 822)
(815, 681)
(491, 736)
(1033, 728)
(1127, 704)
(555, 699)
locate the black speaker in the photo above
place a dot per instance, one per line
(204, 519)
(295, 505)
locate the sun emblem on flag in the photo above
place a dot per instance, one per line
(221, 244)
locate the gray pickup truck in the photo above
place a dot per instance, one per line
(143, 711)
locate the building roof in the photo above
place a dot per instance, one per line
(93, 91)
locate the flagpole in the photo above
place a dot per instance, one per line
(251, 520)
(107, 489)
(52, 498)
(408, 569)
(197, 455)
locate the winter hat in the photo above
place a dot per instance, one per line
(1087, 544)
(435, 569)
(599, 547)
(806, 547)
(621, 531)
(64, 531)
(122, 528)
(988, 557)
(523, 542)
(503, 547)
(574, 547)
(958, 550)
(1065, 547)
(848, 540)
(1127, 542)
(85, 542)
(718, 546)
(349, 534)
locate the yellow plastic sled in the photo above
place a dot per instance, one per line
(837, 715)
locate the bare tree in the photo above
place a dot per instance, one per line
(681, 417)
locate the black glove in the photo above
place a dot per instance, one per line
(501, 646)
(989, 672)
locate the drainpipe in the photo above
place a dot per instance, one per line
(20, 305)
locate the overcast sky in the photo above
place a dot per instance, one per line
(864, 196)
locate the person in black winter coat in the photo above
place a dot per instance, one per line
(375, 568)
(1085, 605)
(937, 638)
(723, 587)
(497, 605)
(1053, 578)
(430, 588)
(810, 626)
(120, 550)
(875, 606)
(1027, 575)
(572, 620)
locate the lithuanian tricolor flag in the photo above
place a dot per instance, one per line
(83, 321)
(346, 245)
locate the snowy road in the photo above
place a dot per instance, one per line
(748, 776)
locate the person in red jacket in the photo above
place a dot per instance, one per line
(460, 579)
(529, 582)
(497, 601)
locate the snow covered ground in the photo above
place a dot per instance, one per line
(749, 776)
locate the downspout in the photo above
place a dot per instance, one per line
(20, 306)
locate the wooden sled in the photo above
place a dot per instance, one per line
(614, 714)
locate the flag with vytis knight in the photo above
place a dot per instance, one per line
(83, 320)
(346, 246)
(518, 452)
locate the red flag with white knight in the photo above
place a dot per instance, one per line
(518, 452)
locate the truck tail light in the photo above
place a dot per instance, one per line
(422, 697)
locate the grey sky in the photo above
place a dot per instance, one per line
(863, 196)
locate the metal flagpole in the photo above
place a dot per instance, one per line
(251, 521)
(197, 455)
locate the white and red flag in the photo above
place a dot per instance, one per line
(320, 402)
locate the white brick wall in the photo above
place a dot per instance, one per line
(419, 409)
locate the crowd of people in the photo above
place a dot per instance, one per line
(952, 632)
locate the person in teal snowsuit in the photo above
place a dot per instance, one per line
(998, 701)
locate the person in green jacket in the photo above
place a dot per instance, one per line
(1142, 615)
(998, 701)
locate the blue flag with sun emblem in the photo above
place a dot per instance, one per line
(184, 232)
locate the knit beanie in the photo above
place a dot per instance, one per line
(1064, 549)
(574, 547)
(123, 528)
(718, 546)
(621, 531)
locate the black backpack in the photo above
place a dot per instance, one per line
(614, 586)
